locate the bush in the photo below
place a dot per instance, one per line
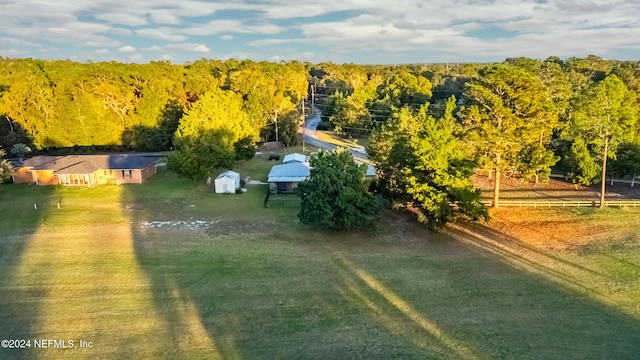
(274, 157)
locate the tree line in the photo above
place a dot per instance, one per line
(429, 124)
(62, 104)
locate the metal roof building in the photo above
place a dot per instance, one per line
(295, 157)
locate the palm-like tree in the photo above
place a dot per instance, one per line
(20, 149)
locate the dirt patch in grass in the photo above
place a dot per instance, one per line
(555, 189)
(568, 229)
(212, 227)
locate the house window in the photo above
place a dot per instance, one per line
(126, 174)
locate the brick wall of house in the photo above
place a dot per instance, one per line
(45, 177)
(23, 176)
(148, 172)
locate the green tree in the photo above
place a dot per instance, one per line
(245, 148)
(336, 195)
(6, 170)
(604, 116)
(509, 110)
(288, 128)
(20, 149)
(197, 156)
(406, 88)
(627, 161)
(422, 166)
(350, 114)
(580, 164)
(30, 102)
(207, 133)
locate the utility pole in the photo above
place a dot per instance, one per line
(313, 96)
(275, 120)
(304, 122)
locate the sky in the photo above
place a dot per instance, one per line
(340, 31)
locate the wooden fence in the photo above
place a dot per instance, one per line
(632, 182)
(564, 203)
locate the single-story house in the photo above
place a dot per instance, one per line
(287, 176)
(227, 182)
(295, 157)
(295, 169)
(85, 170)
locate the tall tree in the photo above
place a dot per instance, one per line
(604, 116)
(405, 88)
(509, 109)
(20, 149)
(422, 166)
(5, 168)
(336, 195)
(207, 134)
(627, 161)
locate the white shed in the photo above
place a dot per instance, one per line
(227, 182)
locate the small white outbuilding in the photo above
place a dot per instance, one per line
(227, 182)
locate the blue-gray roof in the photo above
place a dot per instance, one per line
(229, 174)
(86, 164)
(290, 172)
(294, 157)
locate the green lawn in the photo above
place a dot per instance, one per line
(254, 283)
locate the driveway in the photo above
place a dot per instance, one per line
(322, 140)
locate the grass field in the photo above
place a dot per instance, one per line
(220, 276)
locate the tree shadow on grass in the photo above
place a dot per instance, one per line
(21, 294)
(566, 313)
(468, 293)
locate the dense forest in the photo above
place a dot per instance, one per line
(521, 117)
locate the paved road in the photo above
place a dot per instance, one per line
(322, 140)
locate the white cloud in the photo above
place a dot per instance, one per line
(179, 48)
(270, 42)
(164, 17)
(350, 28)
(102, 51)
(14, 52)
(188, 47)
(232, 26)
(201, 48)
(299, 56)
(135, 57)
(122, 18)
(168, 34)
(127, 48)
(120, 31)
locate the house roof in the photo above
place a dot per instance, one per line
(290, 172)
(86, 164)
(295, 157)
(229, 174)
(37, 161)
